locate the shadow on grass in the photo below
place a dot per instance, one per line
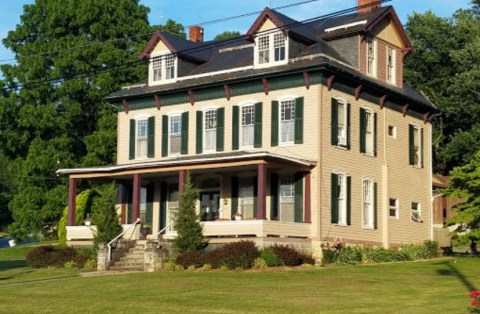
(453, 271)
(6, 265)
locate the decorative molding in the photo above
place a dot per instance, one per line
(358, 91)
(191, 95)
(330, 80)
(405, 109)
(228, 91)
(125, 105)
(265, 85)
(426, 117)
(383, 99)
(157, 102)
(306, 77)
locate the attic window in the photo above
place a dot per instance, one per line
(163, 68)
(270, 49)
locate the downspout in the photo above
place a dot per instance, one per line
(431, 181)
(385, 184)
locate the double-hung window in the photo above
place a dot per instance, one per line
(287, 198)
(248, 126)
(394, 208)
(175, 134)
(163, 68)
(368, 197)
(340, 123)
(416, 212)
(340, 198)
(368, 132)
(271, 49)
(210, 130)
(415, 145)
(371, 57)
(210, 127)
(391, 65)
(287, 121)
(142, 138)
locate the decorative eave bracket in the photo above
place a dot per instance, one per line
(426, 117)
(157, 102)
(265, 85)
(228, 91)
(330, 80)
(405, 109)
(191, 96)
(383, 99)
(306, 77)
(358, 91)
(125, 105)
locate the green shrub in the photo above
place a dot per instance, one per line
(207, 266)
(287, 255)
(79, 260)
(413, 252)
(238, 254)
(224, 267)
(349, 256)
(329, 257)
(48, 255)
(259, 263)
(212, 258)
(189, 258)
(170, 266)
(191, 268)
(269, 256)
(90, 264)
(431, 248)
(69, 265)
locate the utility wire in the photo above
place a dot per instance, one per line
(203, 47)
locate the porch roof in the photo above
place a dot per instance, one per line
(205, 161)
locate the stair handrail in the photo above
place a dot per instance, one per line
(163, 230)
(118, 237)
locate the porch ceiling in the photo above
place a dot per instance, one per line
(203, 163)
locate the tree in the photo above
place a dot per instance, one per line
(465, 183)
(227, 34)
(104, 215)
(446, 69)
(186, 221)
(70, 55)
(172, 27)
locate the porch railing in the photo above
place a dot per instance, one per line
(118, 237)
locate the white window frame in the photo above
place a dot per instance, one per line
(141, 137)
(417, 139)
(174, 134)
(210, 132)
(395, 207)
(342, 199)
(269, 43)
(368, 204)
(286, 192)
(162, 59)
(391, 70)
(371, 57)
(247, 131)
(394, 131)
(286, 125)
(342, 124)
(369, 132)
(416, 211)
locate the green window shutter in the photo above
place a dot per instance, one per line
(164, 136)
(184, 140)
(334, 199)
(375, 206)
(421, 147)
(274, 123)
(348, 125)
(235, 127)
(163, 205)
(274, 196)
(349, 200)
(255, 195)
(363, 130)
(375, 134)
(257, 132)
(199, 132)
(299, 120)
(334, 122)
(220, 129)
(298, 201)
(411, 152)
(235, 187)
(133, 131)
(149, 207)
(151, 138)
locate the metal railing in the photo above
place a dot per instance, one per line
(118, 237)
(163, 230)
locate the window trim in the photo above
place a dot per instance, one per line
(170, 116)
(368, 140)
(292, 121)
(240, 111)
(396, 208)
(373, 42)
(271, 49)
(137, 119)
(163, 56)
(335, 123)
(391, 67)
(394, 131)
(411, 143)
(416, 214)
(346, 201)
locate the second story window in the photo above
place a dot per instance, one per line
(415, 139)
(287, 121)
(247, 126)
(271, 49)
(371, 57)
(340, 123)
(391, 65)
(210, 130)
(142, 138)
(248, 118)
(368, 130)
(163, 68)
(175, 134)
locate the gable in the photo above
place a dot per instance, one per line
(160, 47)
(266, 26)
(387, 32)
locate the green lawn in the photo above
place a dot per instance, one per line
(438, 286)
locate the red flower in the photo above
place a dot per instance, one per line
(474, 293)
(474, 303)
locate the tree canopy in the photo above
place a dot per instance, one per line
(227, 34)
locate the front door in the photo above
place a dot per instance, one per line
(210, 205)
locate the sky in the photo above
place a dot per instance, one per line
(193, 12)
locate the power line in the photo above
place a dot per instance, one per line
(204, 47)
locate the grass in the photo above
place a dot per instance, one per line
(436, 286)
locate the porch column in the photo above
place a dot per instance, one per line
(261, 182)
(122, 200)
(137, 184)
(181, 181)
(308, 212)
(72, 196)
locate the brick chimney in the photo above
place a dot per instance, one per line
(196, 34)
(373, 5)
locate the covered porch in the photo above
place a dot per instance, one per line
(241, 195)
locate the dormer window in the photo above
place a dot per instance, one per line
(163, 68)
(270, 49)
(371, 57)
(391, 65)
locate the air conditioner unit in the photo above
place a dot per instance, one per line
(416, 216)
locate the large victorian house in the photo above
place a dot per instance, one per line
(298, 132)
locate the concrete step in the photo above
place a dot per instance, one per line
(126, 268)
(128, 263)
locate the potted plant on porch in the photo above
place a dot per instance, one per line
(145, 230)
(237, 216)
